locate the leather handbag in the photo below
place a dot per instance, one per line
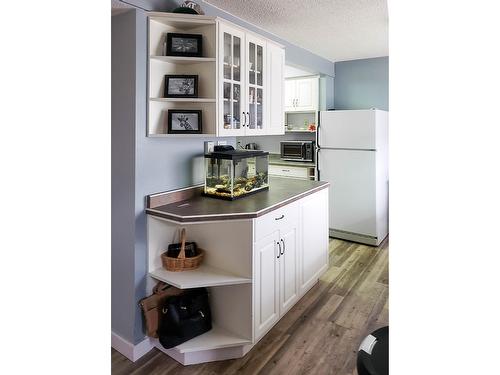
(152, 306)
(184, 316)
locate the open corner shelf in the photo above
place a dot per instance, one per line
(183, 60)
(204, 276)
(216, 338)
(166, 135)
(185, 100)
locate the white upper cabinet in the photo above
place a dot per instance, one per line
(302, 94)
(256, 86)
(232, 85)
(275, 92)
(250, 99)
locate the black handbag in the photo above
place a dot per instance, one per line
(184, 316)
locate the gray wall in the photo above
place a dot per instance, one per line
(143, 165)
(362, 84)
(123, 174)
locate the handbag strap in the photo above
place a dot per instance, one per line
(159, 287)
(182, 253)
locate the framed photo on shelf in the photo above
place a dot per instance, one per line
(181, 86)
(187, 45)
(184, 121)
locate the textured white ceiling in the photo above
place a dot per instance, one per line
(334, 29)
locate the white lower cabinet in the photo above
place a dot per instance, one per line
(286, 171)
(266, 287)
(289, 286)
(313, 253)
(289, 260)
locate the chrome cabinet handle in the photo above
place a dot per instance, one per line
(244, 119)
(283, 252)
(279, 251)
(285, 170)
(279, 218)
(248, 123)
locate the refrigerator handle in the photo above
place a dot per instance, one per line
(317, 164)
(317, 129)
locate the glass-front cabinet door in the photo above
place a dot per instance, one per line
(256, 92)
(232, 107)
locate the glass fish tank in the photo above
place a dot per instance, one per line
(234, 174)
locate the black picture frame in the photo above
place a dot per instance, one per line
(175, 125)
(187, 45)
(181, 86)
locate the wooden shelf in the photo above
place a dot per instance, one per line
(164, 135)
(300, 131)
(203, 276)
(216, 338)
(302, 112)
(183, 60)
(181, 20)
(188, 100)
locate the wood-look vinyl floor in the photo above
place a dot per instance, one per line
(319, 335)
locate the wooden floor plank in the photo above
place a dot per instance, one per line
(319, 335)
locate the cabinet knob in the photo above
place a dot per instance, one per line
(283, 242)
(279, 251)
(279, 218)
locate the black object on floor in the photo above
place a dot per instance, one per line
(373, 353)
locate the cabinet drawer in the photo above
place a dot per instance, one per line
(285, 171)
(278, 219)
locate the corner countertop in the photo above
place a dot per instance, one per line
(275, 159)
(188, 205)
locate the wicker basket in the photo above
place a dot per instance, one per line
(181, 263)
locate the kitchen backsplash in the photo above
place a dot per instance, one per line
(271, 143)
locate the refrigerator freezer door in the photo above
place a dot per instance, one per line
(351, 174)
(354, 129)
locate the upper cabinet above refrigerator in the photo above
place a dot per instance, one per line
(301, 94)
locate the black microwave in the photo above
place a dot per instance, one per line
(297, 150)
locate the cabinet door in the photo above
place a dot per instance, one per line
(313, 253)
(276, 112)
(256, 87)
(232, 105)
(266, 287)
(289, 288)
(290, 85)
(306, 94)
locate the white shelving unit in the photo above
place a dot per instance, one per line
(204, 276)
(226, 271)
(160, 24)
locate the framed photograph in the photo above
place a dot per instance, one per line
(181, 86)
(188, 45)
(184, 121)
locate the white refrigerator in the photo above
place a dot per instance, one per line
(352, 154)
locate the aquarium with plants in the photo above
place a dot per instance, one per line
(234, 174)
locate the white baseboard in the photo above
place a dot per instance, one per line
(132, 352)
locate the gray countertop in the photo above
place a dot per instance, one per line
(281, 191)
(275, 159)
